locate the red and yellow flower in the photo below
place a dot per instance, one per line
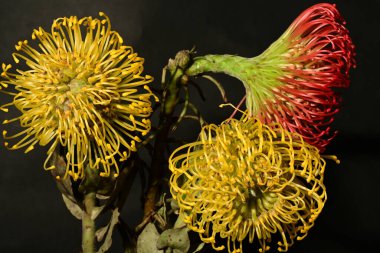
(292, 81)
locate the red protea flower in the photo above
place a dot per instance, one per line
(291, 82)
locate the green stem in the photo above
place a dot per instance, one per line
(170, 101)
(88, 224)
(244, 69)
(227, 64)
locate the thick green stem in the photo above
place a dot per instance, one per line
(228, 64)
(88, 224)
(170, 100)
(247, 70)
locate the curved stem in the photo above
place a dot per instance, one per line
(88, 224)
(241, 68)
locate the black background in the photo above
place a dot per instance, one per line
(32, 215)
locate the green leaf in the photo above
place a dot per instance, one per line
(73, 207)
(199, 248)
(176, 238)
(96, 211)
(63, 183)
(147, 240)
(179, 223)
(174, 206)
(111, 225)
(101, 232)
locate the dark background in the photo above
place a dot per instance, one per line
(33, 217)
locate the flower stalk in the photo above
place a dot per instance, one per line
(170, 99)
(88, 224)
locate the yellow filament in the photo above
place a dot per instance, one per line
(246, 179)
(84, 90)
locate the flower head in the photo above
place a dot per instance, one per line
(248, 180)
(291, 82)
(82, 89)
(314, 55)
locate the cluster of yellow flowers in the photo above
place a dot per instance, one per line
(83, 90)
(244, 178)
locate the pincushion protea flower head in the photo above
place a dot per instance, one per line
(291, 82)
(83, 90)
(248, 180)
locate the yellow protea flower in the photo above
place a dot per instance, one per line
(244, 179)
(83, 90)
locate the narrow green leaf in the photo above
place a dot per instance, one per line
(199, 248)
(96, 211)
(101, 232)
(108, 240)
(73, 207)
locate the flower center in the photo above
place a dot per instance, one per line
(70, 87)
(255, 203)
(76, 85)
